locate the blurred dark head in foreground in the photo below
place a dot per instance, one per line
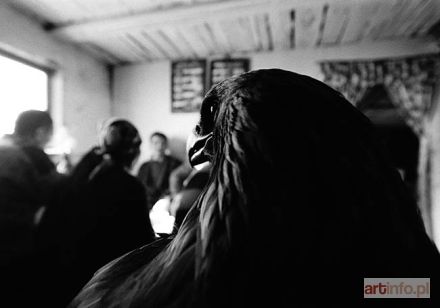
(121, 141)
(34, 127)
(302, 203)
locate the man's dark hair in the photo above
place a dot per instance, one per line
(122, 142)
(160, 135)
(29, 121)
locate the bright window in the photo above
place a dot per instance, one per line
(22, 87)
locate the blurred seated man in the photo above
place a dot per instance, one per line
(155, 173)
(178, 177)
(191, 189)
(161, 214)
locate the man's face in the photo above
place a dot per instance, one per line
(158, 145)
(43, 135)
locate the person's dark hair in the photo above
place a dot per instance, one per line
(160, 135)
(121, 140)
(29, 121)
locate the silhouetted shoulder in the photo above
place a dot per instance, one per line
(109, 277)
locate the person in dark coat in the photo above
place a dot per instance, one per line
(33, 131)
(28, 181)
(19, 202)
(155, 173)
(102, 216)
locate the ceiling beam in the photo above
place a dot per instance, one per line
(153, 20)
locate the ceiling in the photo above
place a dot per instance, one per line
(124, 31)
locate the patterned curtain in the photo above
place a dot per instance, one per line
(410, 83)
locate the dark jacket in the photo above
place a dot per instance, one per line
(20, 199)
(155, 177)
(101, 216)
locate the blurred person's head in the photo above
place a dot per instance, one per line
(34, 127)
(159, 144)
(120, 140)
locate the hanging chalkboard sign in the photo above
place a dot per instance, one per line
(222, 69)
(187, 85)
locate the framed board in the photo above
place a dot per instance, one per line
(187, 85)
(222, 69)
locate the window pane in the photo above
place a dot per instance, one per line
(22, 87)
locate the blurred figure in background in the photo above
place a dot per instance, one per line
(155, 173)
(33, 131)
(102, 215)
(19, 204)
(28, 180)
(178, 177)
(186, 184)
(185, 197)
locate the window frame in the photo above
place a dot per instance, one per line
(48, 67)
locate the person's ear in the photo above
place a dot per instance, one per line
(200, 150)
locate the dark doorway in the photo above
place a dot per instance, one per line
(400, 140)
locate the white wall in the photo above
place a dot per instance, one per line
(142, 92)
(435, 171)
(81, 85)
(142, 95)
(306, 61)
